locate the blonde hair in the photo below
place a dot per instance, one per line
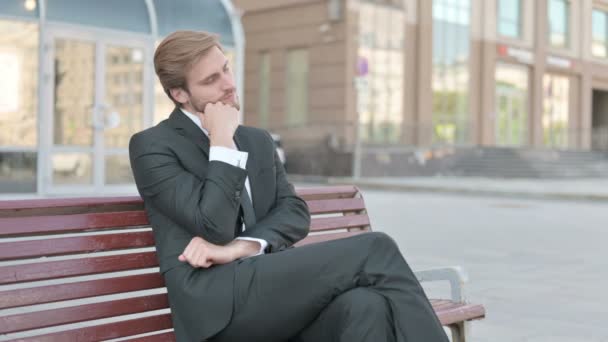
(177, 53)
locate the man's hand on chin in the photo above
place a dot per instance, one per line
(201, 253)
(221, 121)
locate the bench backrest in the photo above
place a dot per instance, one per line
(70, 267)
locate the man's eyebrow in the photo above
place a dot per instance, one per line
(215, 73)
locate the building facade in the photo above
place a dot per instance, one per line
(78, 80)
(345, 81)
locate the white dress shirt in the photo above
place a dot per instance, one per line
(235, 158)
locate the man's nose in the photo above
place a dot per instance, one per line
(228, 83)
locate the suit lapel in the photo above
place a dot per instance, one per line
(184, 126)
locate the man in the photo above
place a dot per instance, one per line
(224, 218)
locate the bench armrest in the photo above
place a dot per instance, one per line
(454, 274)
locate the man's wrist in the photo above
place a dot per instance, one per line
(221, 140)
(244, 248)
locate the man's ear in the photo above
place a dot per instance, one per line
(180, 95)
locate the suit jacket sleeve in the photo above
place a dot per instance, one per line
(288, 220)
(206, 207)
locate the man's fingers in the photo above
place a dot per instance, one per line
(198, 256)
(188, 249)
(182, 258)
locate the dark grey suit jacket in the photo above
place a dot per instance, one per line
(186, 195)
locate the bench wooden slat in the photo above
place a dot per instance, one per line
(78, 290)
(164, 337)
(331, 223)
(327, 237)
(76, 267)
(335, 205)
(82, 313)
(442, 303)
(327, 192)
(311, 193)
(460, 312)
(21, 205)
(73, 245)
(107, 331)
(52, 224)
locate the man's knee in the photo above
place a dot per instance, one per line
(362, 301)
(383, 241)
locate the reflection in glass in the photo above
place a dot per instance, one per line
(559, 23)
(451, 39)
(72, 168)
(599, 33)
(118, 170)
(74, 93)
(18, 172)
(509, 18)
(556, 110)
(18, 84)
(122, 113)
(381, 54)
(511, 122)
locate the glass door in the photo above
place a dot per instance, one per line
(511, 125)
(97, 102)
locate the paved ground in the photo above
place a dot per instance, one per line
(540, 267)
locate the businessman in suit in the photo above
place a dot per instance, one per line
(224, 218)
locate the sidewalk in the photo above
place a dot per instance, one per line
(587, 189)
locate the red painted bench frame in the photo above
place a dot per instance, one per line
(40, 234)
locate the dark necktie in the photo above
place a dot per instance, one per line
(247, 209)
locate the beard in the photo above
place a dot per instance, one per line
(199, 106)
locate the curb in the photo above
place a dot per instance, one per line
(469, 191)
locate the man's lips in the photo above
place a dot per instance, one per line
(229, 97)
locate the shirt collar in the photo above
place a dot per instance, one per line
(196, 120)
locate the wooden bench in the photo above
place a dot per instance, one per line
(85, 269)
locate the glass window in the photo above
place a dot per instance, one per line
(599, 33)
(18, 172)
(72, 168)
(18, 84)
(559, 23)
(74, 93)
(381, 57)
(556, 109)
(297, 87)
(18, 106)
(198, 15)
(131, 16)
(123, 117)
(20, 8)
(118, 170)
(264, 104)
(451, 45)
(511, 123)
(163, 106)
(509, 18)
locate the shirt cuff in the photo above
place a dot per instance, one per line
(263, 244)
(229, 156)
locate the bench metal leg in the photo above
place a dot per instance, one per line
(460, 331)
